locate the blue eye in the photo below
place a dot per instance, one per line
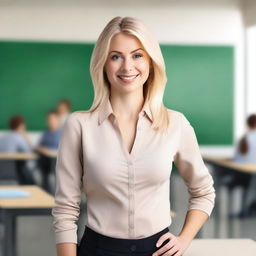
(140, 55)
(136, 56)
(112, 58)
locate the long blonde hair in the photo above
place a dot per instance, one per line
(153, 88)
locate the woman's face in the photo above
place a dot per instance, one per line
(128, 64)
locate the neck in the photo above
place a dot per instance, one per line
(126, 107)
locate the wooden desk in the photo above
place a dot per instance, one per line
(29, 156)
(229, 164)
(17, 162)
(221, 247)
(18, 156)
(39, 203)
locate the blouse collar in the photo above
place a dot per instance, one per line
(106, 110)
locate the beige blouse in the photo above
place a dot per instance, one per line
(127, 194)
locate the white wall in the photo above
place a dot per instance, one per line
(216, 22)
(184, 21)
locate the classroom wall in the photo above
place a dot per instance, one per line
(250, 58)
(249, 15)
(179, 22)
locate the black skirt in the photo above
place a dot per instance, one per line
(95, 244)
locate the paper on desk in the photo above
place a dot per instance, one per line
(9, 193)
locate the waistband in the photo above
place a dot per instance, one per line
(146, 244)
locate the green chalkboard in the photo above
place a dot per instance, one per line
(35, 75)
(200, 85)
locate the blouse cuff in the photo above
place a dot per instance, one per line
(68, 236)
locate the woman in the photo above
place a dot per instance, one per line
(121, 151)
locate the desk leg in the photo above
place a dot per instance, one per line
(9, 240)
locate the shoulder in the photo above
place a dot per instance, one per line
(251, 135)
(8, 136)
(76, 120)
(177, 117)
(15, 136)
(77, 116)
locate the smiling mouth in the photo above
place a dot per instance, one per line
(128, 79)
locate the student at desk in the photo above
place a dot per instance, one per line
(246, 150)
(246, 153)
(16, 141)
(49, 140)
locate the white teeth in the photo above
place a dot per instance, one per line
(127, 77)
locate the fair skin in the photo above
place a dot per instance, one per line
(63, 109)
(178, 244)
(127, 57)
(53, 122)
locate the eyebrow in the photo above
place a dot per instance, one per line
(130, 52)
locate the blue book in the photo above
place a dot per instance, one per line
(12, 193)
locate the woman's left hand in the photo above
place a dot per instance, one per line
(175, 246)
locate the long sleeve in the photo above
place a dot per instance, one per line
(192, 169)
(69, 173)
(23, 146)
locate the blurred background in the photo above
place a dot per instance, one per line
(209, 49)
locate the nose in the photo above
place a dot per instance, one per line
(127, 65)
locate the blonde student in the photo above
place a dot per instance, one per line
(120, 153)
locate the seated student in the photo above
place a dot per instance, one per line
(16, 141)
(246, 154)
(63, 109)
(51, 137)
(246, 150)
(49, 141)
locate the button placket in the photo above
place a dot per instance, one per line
(131, 201)
(131, 175)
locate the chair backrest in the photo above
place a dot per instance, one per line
(7, 170)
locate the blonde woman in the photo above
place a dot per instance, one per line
(120, 152)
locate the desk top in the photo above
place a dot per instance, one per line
(52, 153)
(18, 156)
(226, 162)
(38, 199)
(221, 247)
